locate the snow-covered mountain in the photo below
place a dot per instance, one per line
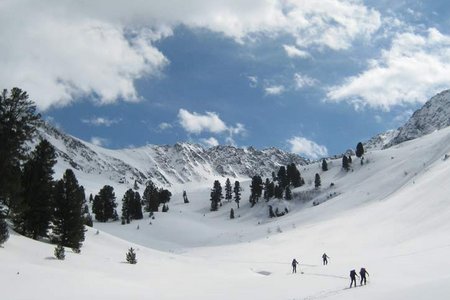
(166, 165)
(434, 115)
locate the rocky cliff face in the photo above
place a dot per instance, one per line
(434, 115)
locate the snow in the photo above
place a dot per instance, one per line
(390, 215)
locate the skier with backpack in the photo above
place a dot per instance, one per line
(325, 258)
(353, 276)
(294, 265)
(363, 273)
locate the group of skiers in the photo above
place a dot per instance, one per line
(363, 272)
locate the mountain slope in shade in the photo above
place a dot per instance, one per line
(165, 165)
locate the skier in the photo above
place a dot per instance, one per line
(363, 273)
(353, 276)
(294, 265)
(325, 258)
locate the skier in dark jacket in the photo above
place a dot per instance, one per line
(325, 258)
(294, 265)
(353, 276)
(363, 273)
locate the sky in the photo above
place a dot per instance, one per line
(310, 77)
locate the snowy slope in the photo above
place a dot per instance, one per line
(391, 215)
(169, 166)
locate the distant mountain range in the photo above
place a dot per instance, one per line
(165, 165)
(169, 165)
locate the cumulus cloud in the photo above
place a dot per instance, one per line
(197, 123)
(308, 148)
(293, 51)
(60, 51)
(164, 126)
(101, 121)
(253, 81)
(302, 81)
(416, 67)
(210, 142)
(98, 141)
(274, 90)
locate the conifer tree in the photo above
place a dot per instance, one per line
(33, 214)
(231, 213)
(349, 159)
(151, 197)
(216, 195)
(4, 233)
(68, 222)
(136, 212)
(324, 165)
(345, 164)
(282, 177)
(256, 189)
(131, 256)
(297, 179)
(18, 121)
(317, 182)
(237, 193)
(126, 205)
(59, 252)
(288, 193)
(185, 197)
(359, 150)
(278, 192)
(104, 204)
(228, 190)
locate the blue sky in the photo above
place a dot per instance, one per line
(311, 77)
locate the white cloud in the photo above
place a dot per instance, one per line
(197, 123)
(274, 90)
(293, 51)
(98, 141)
(308, 148)
(210, 142)
(60, 51)
(415, 68)
(302, 81)
(101, 121)
(253, 81)
(164, 126)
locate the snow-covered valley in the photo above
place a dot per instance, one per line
(390, 215)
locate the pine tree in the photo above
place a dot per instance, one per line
(231, 213)
(237, 193)
(136, 213)
(266, 193)
(131, 256)
(68, 222)
(297, 179)
(216, 195)
(185, 197)
(288, 193)
(18, 121)
(256, 189)
(282, 177)
(278, 192)
(271, 213)
(345, 164)
(317, 182)
(324, 165)
(59, 252)
(33, 217)
(359, 150)
(228, 190)
(126, 205)
(91, 198)
(349, 159)
(164, 196)
(104, 204)
(151, 197)
(4, 233)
